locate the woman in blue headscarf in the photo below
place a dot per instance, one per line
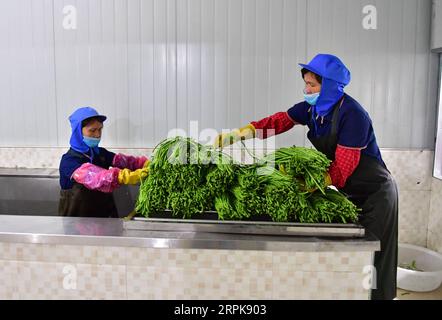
(89, 174)
(341, 129)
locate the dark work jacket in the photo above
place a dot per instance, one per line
(75, 199)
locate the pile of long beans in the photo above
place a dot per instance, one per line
(308, 164)
(190, 179)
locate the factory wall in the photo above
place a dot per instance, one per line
(155, 65)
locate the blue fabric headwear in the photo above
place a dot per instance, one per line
(335, 76)
(76, 120)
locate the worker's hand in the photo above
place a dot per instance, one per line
(96, 178)
(327, 182)
(129, 177)
(128, 162)
(145, 170)
(303, 187)
(227, 139)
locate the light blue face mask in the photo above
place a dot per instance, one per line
(91, 142)
(312, 99)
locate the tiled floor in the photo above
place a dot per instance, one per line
(408, 295)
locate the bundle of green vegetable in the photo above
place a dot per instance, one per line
(176, 179)
(190, 179)
(221, 174)
(305, 163)
(248, 193)
(331, 207)
(282, 194)
(410, 266)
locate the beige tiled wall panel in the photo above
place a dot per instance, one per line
(63, 253)
(43, 281)
(198, 283)
(327, 275)
(27, 252)
(33, 271)
(40, 280)
(192, 258)
(30, 157)
(412, 170)
(91, 255)
(414, 207)
(9, 280)
(47, 157)
(308, 285)
(323, 261)
(435, 220)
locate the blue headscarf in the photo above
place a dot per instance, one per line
(76, 120)
(335, 76)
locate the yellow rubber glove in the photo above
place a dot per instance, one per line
(145, 170)
(226, 139)
(127, 176)
(327, 181)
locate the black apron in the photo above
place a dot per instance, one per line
(372, 189)
(82, 202)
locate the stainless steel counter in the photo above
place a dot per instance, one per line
(111, 232)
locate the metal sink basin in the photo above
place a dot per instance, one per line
(36, 192)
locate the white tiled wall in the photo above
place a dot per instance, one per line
(46, 157)
(413, 173)
(435, 219)
(33, 271)
(420, 218)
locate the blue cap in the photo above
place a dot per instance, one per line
(329, 67)
(84, 113)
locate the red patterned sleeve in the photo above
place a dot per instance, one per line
(273, 125)
(346, 162)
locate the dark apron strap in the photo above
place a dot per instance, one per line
(327, 144)
(334, 128)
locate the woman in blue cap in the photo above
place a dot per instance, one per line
(89, 174)
(341, 129)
